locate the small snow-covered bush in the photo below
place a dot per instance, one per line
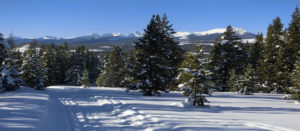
(197, 100)
(287, 97)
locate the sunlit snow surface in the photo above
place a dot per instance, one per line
(63, 108)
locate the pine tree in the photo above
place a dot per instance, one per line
(114, 73)
(227, 54)
(101, 80)
(85, 79)
(92, 65)
(185, 73)
(48, 63)
(270, 66)
(256, 50)
(293, 45)
(129, 71)
(200, 83)
(248, 82)
(78, 63)
(62, 62)
(194, 77)
(9, 76)
(295, 79)
(157, 56)
(288, 52)
(233, 83)
(3, 53)
(32, 72)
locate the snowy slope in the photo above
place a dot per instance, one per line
(184, 35)
(71, 108)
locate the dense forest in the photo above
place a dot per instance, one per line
(270, 65)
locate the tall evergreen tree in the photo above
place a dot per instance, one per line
(157, 56)
(227, 54)
(92, 66)
(102, 80)
(290, 51)
(270, 66)
(9, 76)
(3, 53)
(62, 62)
(114, 73)
(31, 68)
(48, 63)
(129, 70)
(256, 50)
(78, 61)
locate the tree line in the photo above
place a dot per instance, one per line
(158, 63)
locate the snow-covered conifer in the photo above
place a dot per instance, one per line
(31, 68)
(157, 57)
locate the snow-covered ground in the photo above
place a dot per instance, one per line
(71, 108)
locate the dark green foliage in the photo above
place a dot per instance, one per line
(85, 79)
(77, 61)
(48, 62)
(129, 70)
(101, 80)
(92, 65)
(3, 53)
(184, 70)
(288, 53)
(157, 56)
(295, 80)
(256, 50)
(248, 82)
(9, 76)
(227, 54)
(233, 81)
(194, 77)
(200, 83)
(271, 66)
(114, 72)
(62, 62)
(31, 69)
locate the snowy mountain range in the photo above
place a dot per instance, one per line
(119, 38)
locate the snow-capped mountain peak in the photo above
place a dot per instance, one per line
(49, 37)
(184, 35)
(135, 34)
(239, 31)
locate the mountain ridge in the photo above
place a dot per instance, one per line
(120, 38)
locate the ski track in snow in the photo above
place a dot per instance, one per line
(72, 108)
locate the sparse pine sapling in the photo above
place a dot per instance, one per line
(85, 79)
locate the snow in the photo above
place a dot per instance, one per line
(182, 35)
(65, 108)
(116, 34)
(95, 50)
(49, 38)
(239, 31)
(25, 48)
(248, 40)
(105, 47)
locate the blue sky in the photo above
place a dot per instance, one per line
(66, 18)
